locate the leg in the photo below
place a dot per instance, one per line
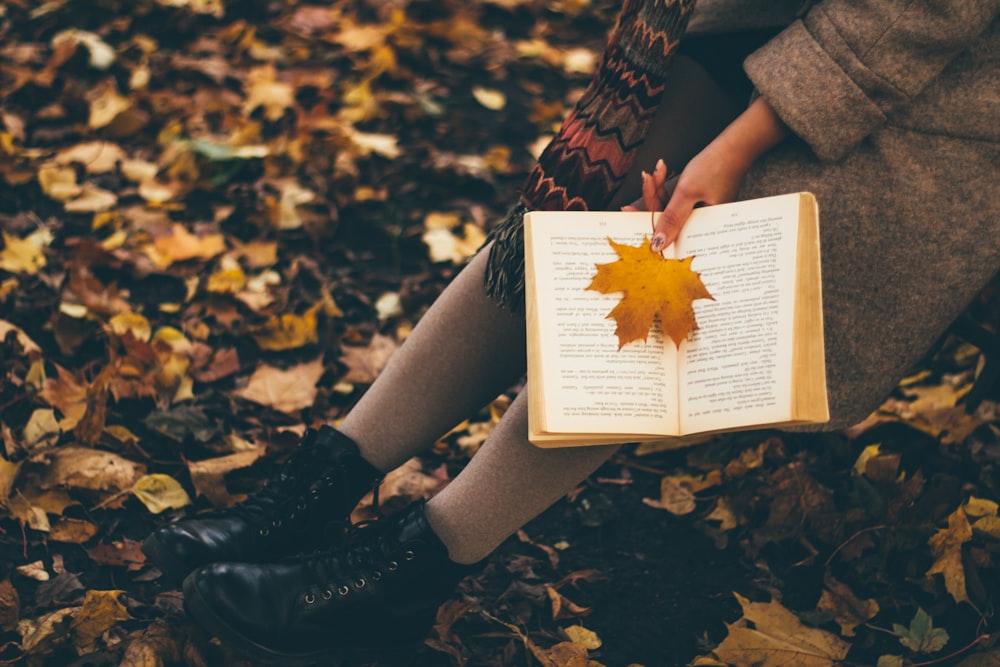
(510, 481)
(464, 351)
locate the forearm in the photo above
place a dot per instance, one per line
(715, 174)
(754, 132)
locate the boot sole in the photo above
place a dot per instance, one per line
(205, 616)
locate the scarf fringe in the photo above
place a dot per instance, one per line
(504, 278)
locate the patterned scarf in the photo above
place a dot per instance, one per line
(586, 163)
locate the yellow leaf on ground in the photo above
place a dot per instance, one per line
(72, 531)
(977, 507)
(588, 639)
(652, 286)
(101, 611)
(492, 99)
(182, 245)
(777, 638)
(91, 199)
(135, 323)
(946, 546)
(58, 182)
(287, 391)
(264, 90)
(988, 525)
(42, 634)
(160, 492)
(288, 331)
(97, 157)
(21, 255)
(105, 106)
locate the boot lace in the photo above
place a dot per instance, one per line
(367, 551)
(285, 497)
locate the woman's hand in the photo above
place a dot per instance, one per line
(714, 175)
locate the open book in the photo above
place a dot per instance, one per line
(755, 361)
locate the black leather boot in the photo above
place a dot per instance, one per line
(304, 508)
(376, 596)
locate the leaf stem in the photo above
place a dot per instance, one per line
(851, 539)
(965, 648)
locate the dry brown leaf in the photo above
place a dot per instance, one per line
(157, 645)
(946, 546)
(777, 638)
(365, 363)
(849, 611)
(72, 531)
(10, 606)
(67, 395)
(8, 475)
(208, 476)
(288, 390)
(563, 607)
(42, 634)
(90, 470)
(652, 286)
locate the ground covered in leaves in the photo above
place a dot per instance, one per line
(219, 220)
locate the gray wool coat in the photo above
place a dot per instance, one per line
(895, 108)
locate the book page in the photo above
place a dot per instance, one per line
(590, 385)
(736, 368)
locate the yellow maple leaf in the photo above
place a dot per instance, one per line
(946, 545)
(22, 255)
(651, 286)
(288, 331)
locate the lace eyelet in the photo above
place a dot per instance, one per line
(376, 575)
(343, 590)
(310, 598)
(276, 523)
(393, 565)
(360, 583)
(408, 555)
(301, 507)
(327, 594)
(264, 532)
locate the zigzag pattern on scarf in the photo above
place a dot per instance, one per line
(586, 163)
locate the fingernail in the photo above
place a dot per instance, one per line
(657, 243)
(660, 163)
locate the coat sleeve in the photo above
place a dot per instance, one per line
(836, 75)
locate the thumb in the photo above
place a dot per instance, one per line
(670, 221)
